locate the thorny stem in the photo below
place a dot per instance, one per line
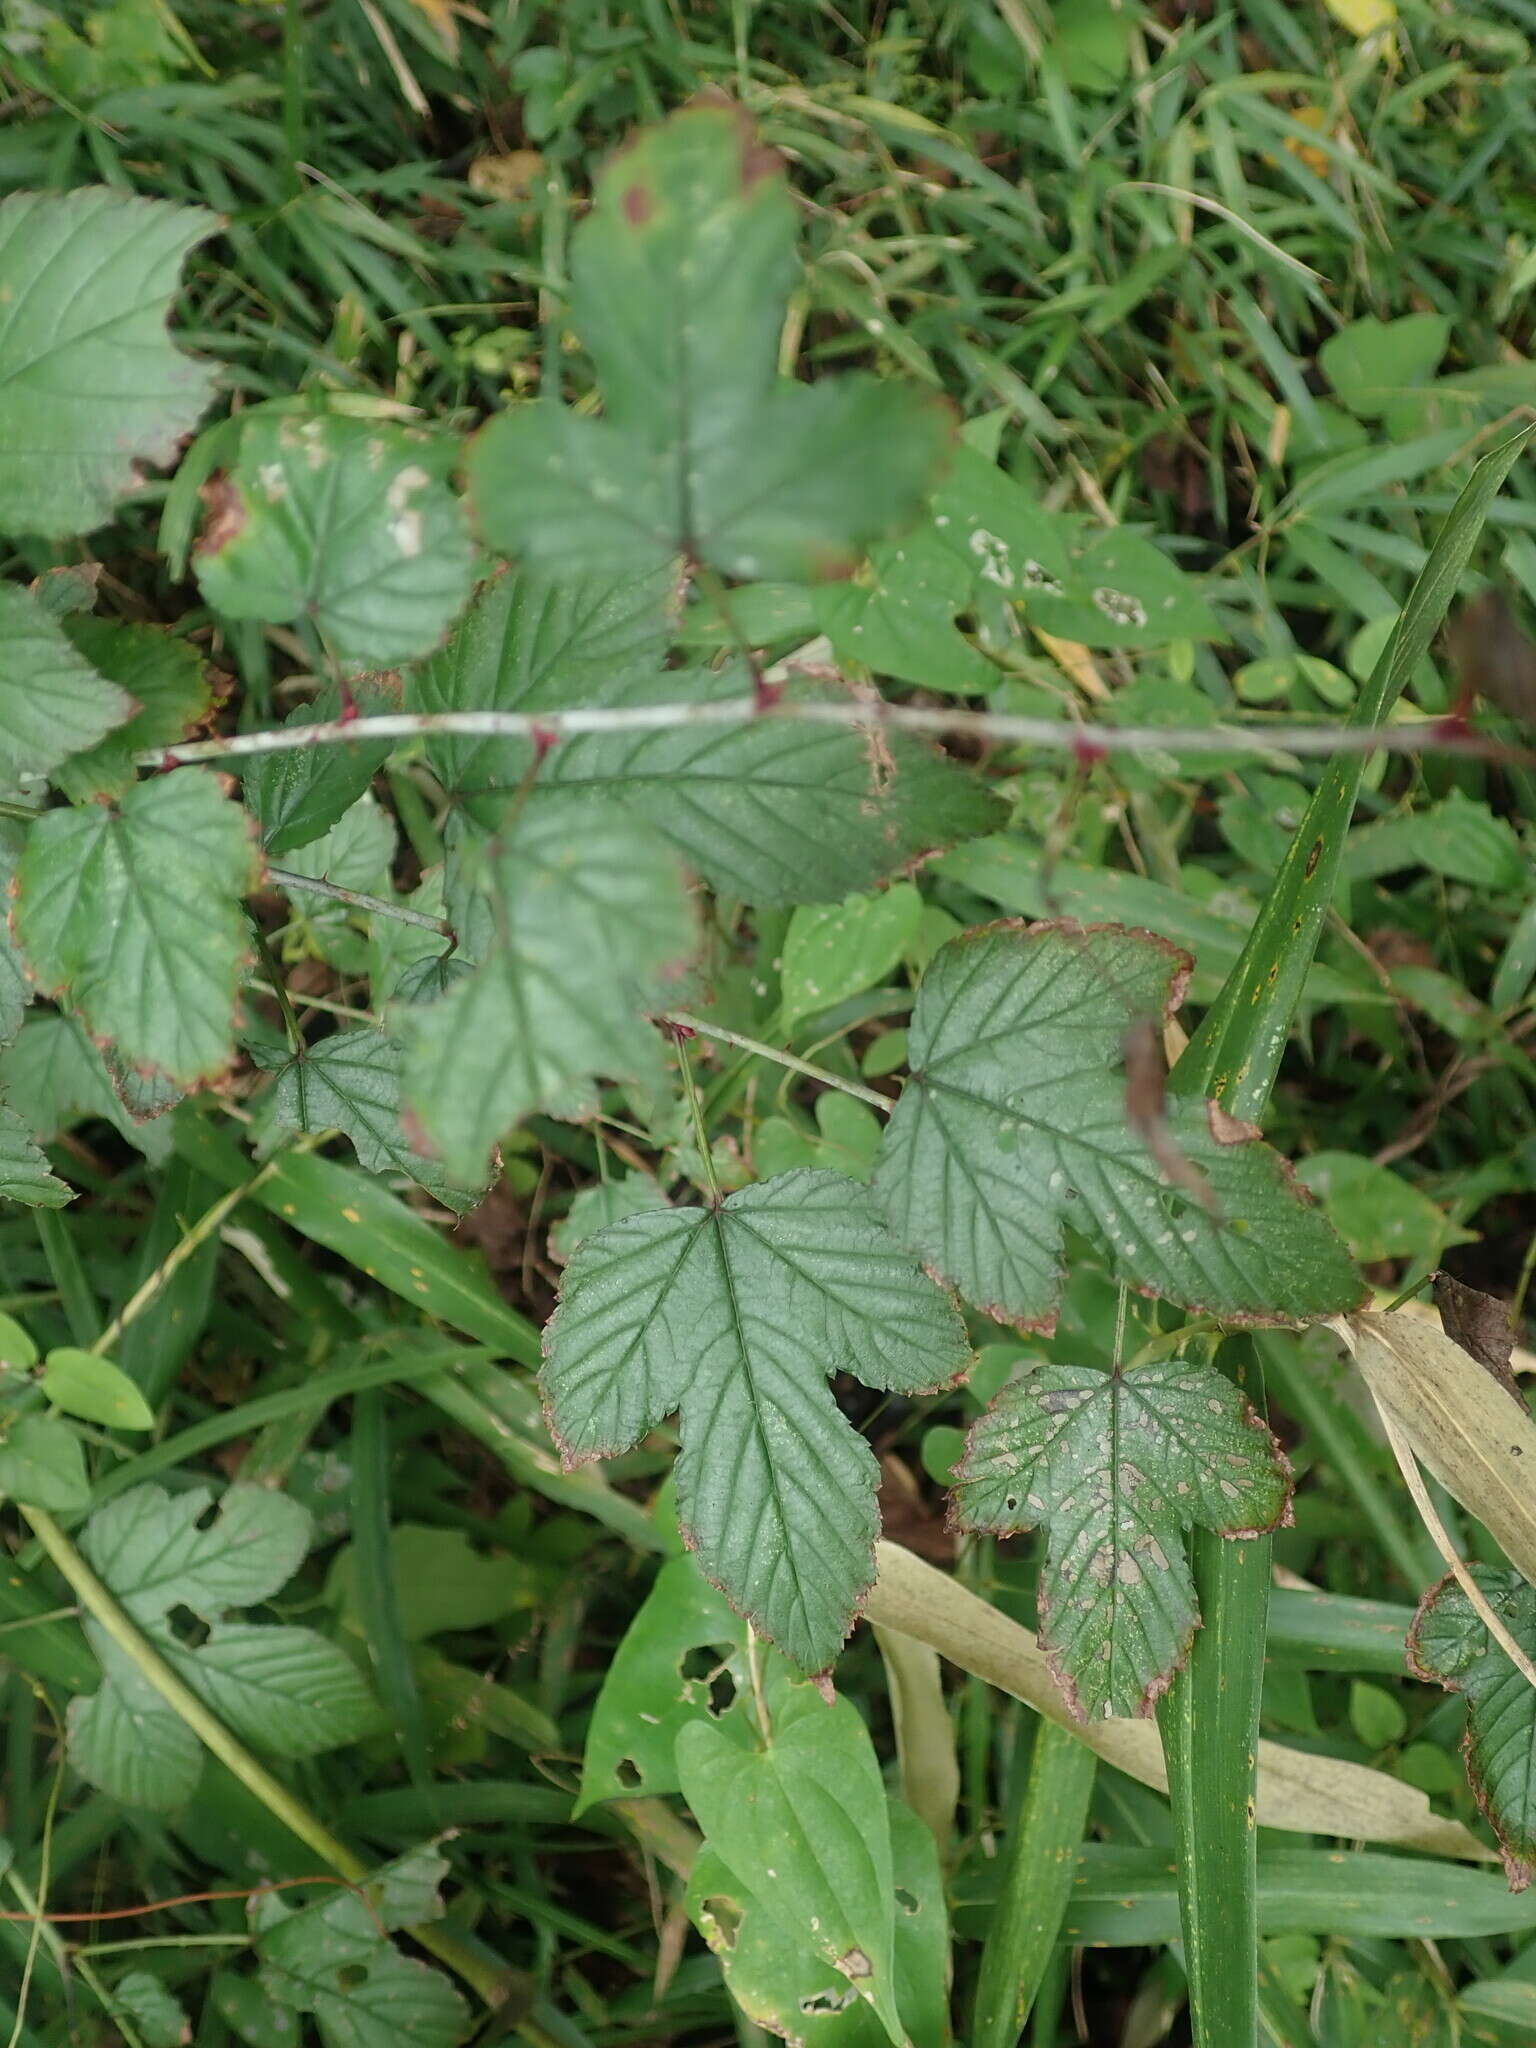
(883, 1103)
(1058, 735)
(696, 1110)
(402, 913)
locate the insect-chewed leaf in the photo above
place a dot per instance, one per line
(133, 912)
(584, 919)
(1115, 1467)
(679, 277)
(1450, 1644)
(90, 381)
(1015, 1123)
(348, 521)
(736, 1316)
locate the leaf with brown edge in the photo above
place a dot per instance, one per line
(1450, 1645)
(1115, 1466)
(1016, 1123)
(735, 1317)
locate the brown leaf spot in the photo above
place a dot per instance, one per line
(855, 1964)
(1230, 1130)
(1480, 1324)
(638, 205)
(223, 515)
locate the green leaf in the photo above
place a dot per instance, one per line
(1015, 1122)
(127, 1742)
(90, 383)
(93, 1388)
(157, 2018)
(53, 701)
(783, 1984)
(282, 1689)
(1378, 1214)
(1455, 837)
(736, 1316)
(1450, 1645)
(54, 1068)
(24, 1174)
(679, 278)
(1373, 363)
(42, 1465)
(594, 1208)
(148, 1547)
(133, 912)
(833, 951)
(647, 1694)
(301, 792)
(348, 522)
(897, 616)
(803, 1825)
(161, 674)
(1114, 1466)
(333, 1960)
(587, 920)
(350, 1082)
(356, 853)
(444, 1584)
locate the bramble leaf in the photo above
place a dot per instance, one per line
(1115, 1466)
(133, 912)
(736, 1316)
(298, 794)
(91, 384)
(584, 919)
(349, 522)
(161, 674)
(350, 1082)
(24, 1172)
(679, 277)
(62, 1078)
(52, 701)
(1015, 1123)
(1449, 1644)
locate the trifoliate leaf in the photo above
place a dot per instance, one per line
(836, 950)
(349, 522)
(586, 920)
(1450, 1645)
(804, 1825)
(132, 911)
(350, 1082)
(83, 1384)
(90, 383)
(735, 1316)
(679, 277)
(161, 674)
(1115, 1466)
(1015, 1123)
(24, 1172)
(301, 792)
(52, 701)
(42, 1465)
(649, 1691)
(63, 1079)
(897, 616)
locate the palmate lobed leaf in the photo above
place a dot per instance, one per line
(1449, 1644)
(91, 384)
(679, 279)
(132, 912)
(735, 1316)
(1015, 1123)
(1115, 1466)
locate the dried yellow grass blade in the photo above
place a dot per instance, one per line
(1479, 1443)
(1300, 1793)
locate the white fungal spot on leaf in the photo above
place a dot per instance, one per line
(1119, 606)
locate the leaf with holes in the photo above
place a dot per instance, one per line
(53, 701)
(803, 1825)
(585, 921)
(132, 911)
(736, 1316)
(654, 1686)
(1450, 1645)
(162, 675)
(350, 1083)
(679, 278)
(1015, 1122)
(1115, 1466)
(285, 1690)
(348, 522)
(91, 385)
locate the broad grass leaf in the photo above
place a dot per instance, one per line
(585, 920)
(736, 1316)
(804, 1826)
(1014, 1123)
(1115, 1466)
(53, 700)
(91, 385)
(1478, 1442)
(679, 278)
(132, 912)
(348, 522)
(1450, 1645)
